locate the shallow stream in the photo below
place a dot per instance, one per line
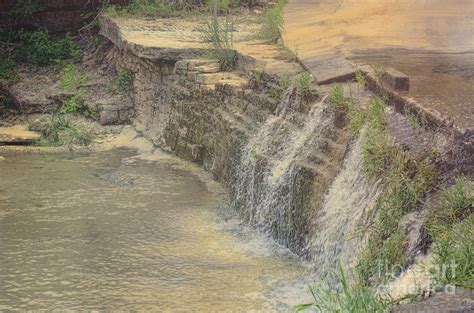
(118, 231)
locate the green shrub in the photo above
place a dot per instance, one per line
(39, 48)
(272, 22)
(347, 297)
(124, 80)
(303, 84)
(219, 35)
(8, 72)
(72, 78)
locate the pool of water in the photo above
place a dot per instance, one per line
(115, 231)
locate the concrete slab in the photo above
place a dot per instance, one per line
(329, 68)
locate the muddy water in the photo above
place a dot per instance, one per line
(112, 231)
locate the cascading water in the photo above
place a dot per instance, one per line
(338, 229)
(283, 185)
(279, 169)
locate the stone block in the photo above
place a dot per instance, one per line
(396, 80)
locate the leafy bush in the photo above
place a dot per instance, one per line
(346, 297)
(8, 72)
(219, 35)
(39, 48)
(124, 80)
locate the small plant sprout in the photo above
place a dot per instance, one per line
(303, 84)
(258, 74)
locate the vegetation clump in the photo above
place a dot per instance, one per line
(218, 33)
(347, 297)
(60, 130)
(73, 80)
(38, 47)
(124, 80)
(8, 72)
(272, 22)
(303, 84)
(450, 227)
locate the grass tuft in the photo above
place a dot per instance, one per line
(60, 130)
(303, 84)
(272, 22)
(347, 297)
(219, 35)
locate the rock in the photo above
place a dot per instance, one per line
(459, 300)
(329, 68)
(18, 134)
(396, 80)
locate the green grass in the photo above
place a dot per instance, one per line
(60, 130)
(8, 72)
(218, 33)
(407, 180)
(303, 84)
(272, 22)
(347, 297)
(336, 97)
(450, 226)
(456, 204)
(360, 78)
(453, 253)
(258, 74)
(72, 78)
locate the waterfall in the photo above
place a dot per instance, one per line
(339, 226)
(279, 168)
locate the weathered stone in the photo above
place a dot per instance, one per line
(329, 68)
(396, 80)
(109, 117)
(17, 135)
